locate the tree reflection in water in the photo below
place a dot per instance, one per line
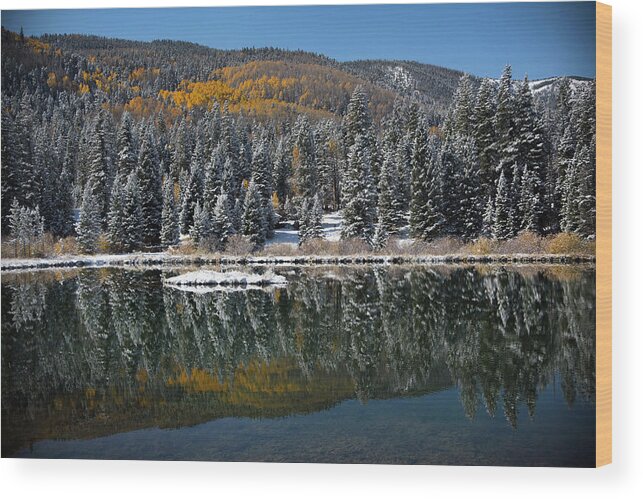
(105, 351)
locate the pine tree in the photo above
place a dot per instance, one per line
(381, 236)
(419, 183)
(471, 194)
(254, 223)
(303, 164)
(99, 164)
(310, 225)
(461, 119)
(62, 223)
(390, 211)
(151, 191)
(169, 215)
(485, 137)
(359, 197)
(357, 122)
(200, 230)
(124, 144)
(403, 155)
(116, 215)
(282, 168)
(213, 182)
(427, 220)
(262, 177)
(503, 216)
(26, 226)
(505, 146)
(191, 193)
(530, 204)
(89, 223)
(134, 216)
(488, 218)
(221, 225)
(434, 222)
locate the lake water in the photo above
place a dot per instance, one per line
(414, 365)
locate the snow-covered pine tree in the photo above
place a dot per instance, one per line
(389, 207)
(26, 226)
(505, 146)
(310, 225)
(303, 164)
(531, 202)
(485, 136)
(586, 191)
(261, 166)
(460, 121)
(579, 200)
(221, 226)
(358, 191)
(403, 155)
(488, 218)
(282, 168)
(427, 218)
(213, 182)
(89, 222)
(419, 182)
(191, 193)
(134, 217)
(381, 236)
(452, 186)
(232, 178)
(253, 222)
(99, 164)
(434, 222)
(503, 217)
(200, 229)
(116, 214)
(126, 154)
(236, 213)
(151, 190)
(357, 122)
(181, 148)
(62, 222)
(471, 194)
(169, 216)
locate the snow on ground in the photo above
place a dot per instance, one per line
(287, 234)
(332, 225)
(231, 278)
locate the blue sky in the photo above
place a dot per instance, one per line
(541, 39)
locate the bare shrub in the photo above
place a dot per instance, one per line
(282, 249)
(570, 244)
(239, 245)
(444, 246)
(352, 246)
(524, 243)
(42, 247)
(185, 248)
(66, 246)
(391, 247)
(482, 246)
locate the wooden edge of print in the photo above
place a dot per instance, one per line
(604, 234)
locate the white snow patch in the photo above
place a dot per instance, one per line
(332, 225)
(232, 278)
(287, 234)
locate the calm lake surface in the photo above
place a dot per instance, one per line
(411, 365)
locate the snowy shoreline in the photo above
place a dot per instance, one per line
(148, 259)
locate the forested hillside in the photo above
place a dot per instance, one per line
(153, 140)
